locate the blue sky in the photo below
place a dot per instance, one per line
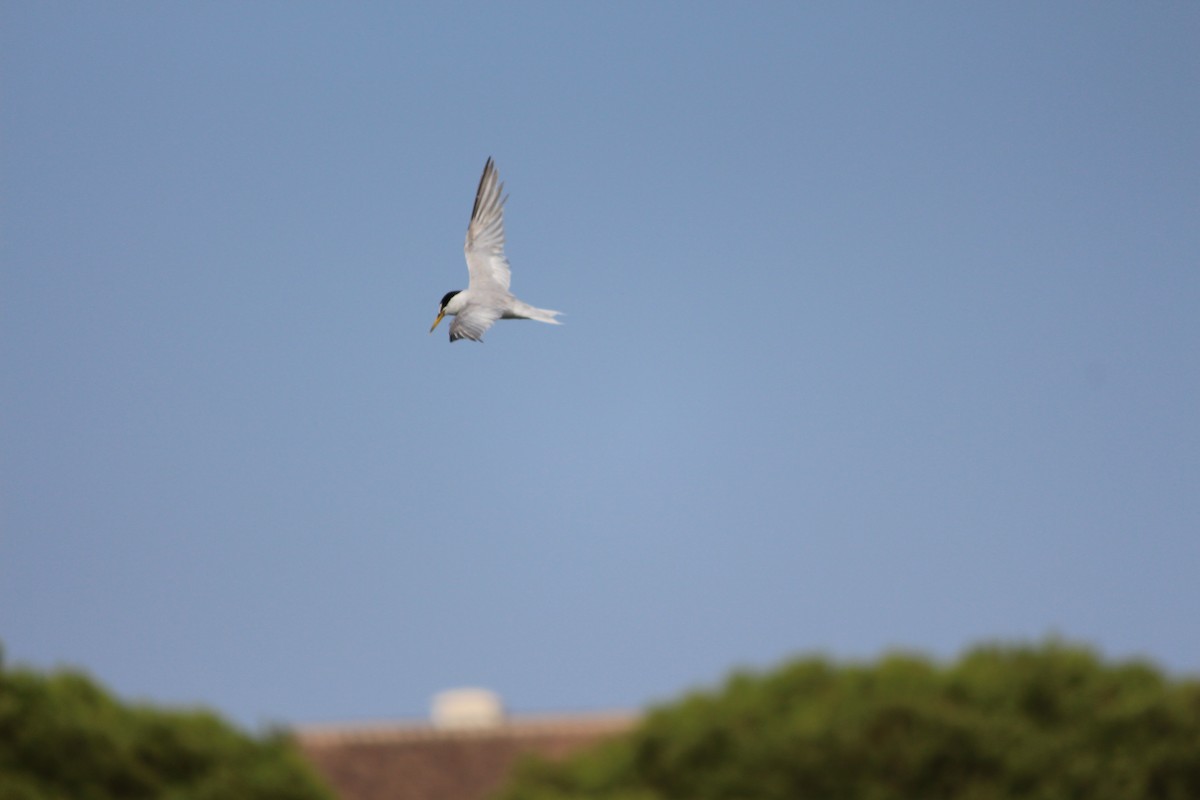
(882, 331)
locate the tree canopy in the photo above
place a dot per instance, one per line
(1038, 722)
(63, 736)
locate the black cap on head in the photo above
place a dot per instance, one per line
(446, 299)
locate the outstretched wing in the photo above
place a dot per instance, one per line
(472, 321)
(485, 235)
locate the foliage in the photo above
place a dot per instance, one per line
(62, 736)
(1035, 723)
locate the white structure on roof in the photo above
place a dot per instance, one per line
(459, 709)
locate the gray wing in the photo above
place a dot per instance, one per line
(472, 321)
(485, 235)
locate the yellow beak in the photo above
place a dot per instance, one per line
(439, 319)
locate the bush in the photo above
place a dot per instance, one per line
(62, 736)
(1033, 723)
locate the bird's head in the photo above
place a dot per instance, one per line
(442, 308)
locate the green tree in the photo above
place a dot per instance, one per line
(1036, 723)
(63, 737)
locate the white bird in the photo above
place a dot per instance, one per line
(486, 298)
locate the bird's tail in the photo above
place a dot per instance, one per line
(526, 311)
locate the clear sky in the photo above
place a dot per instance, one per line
(882, 331)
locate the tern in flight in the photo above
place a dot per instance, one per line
(486, 298)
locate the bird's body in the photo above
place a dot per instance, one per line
(486, 298)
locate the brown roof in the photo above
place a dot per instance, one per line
(419, 762)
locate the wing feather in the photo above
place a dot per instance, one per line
(484, 248)
(472, 321)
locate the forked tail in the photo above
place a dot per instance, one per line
(526, 311)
